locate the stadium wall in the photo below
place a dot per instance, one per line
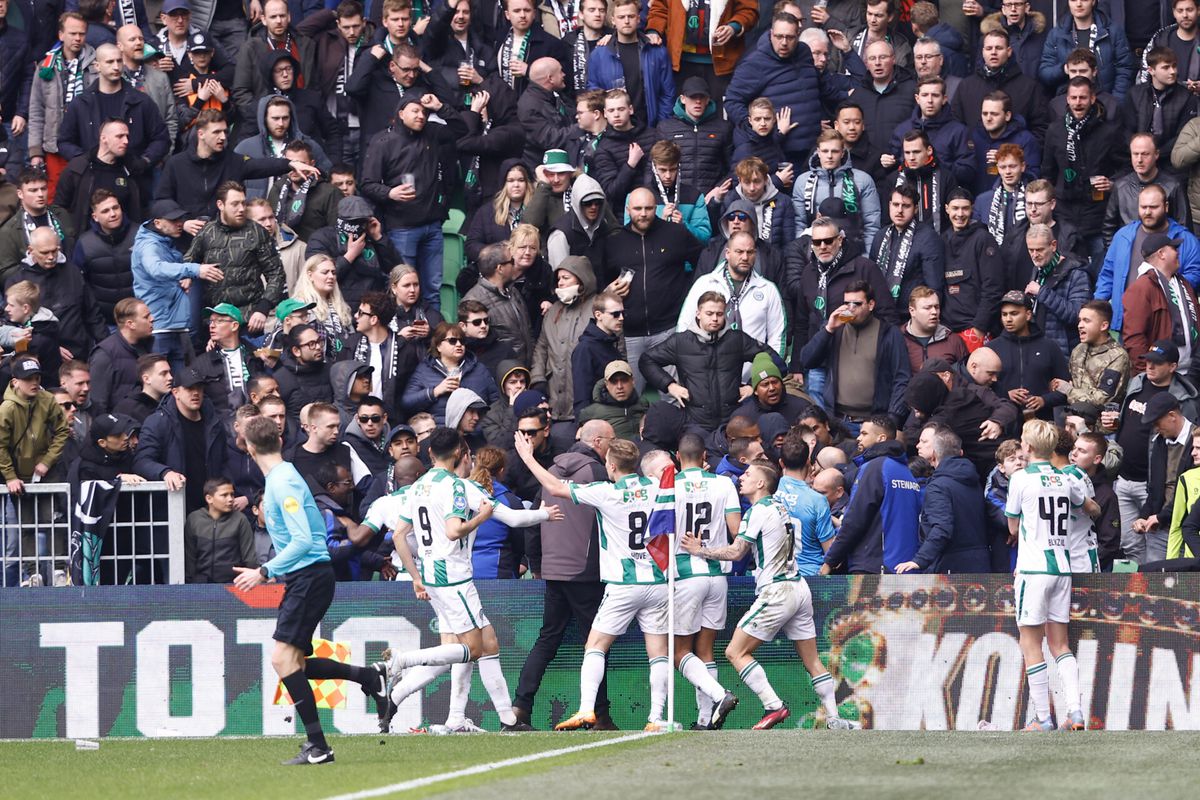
(908, 652)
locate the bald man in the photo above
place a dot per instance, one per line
(545, 113)
(148, 80)
(80, 323)
(831, 484)
(111, 96)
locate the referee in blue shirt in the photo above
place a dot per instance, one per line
(302, 562)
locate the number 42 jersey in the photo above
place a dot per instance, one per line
(622, 513)
(1043, 498)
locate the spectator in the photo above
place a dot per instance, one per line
(506, 309)
(322, 449)
(876, 383)
(1030, 360)
(498, 424)
(493, 130)
(1003, 206)
(1058, 286)
(403, 174)
(356, 242)
(33, 212)
(1123, 206)
(340, 36)
(498, 550)
(75, 379)
(59, 79)
(182, 443)
(550, 200)
(217, 538)
(997, 70)
(589, 118)
(351, 382)
(909, 254)
(524, 44)
(975, 274)
(391, 357)
(205, 76)
(1185, 156)
(880, 27)
(711, 58)
(1170, 457)
(930, 62)
(287, 244)
(103, 253)
(16, 62)
(105, 167)
(279, 71)
(953, 533)
(1160, 106)
(709, 358)
(1088, 456)
(230, 361)
(33, 324)
(597, 346)
(887, 97)
(675, 200)
(925, 336)
(774, 214)
(850, 122)
(367, 434)
(831, 485)
(1026, 30)
(448, 367)
(114, 359)
(384, 77)
(768, 395)
(585, 230)
(997, 128)
(250, 81)
(1160, 304)
(926, 23)
(543, 111)
(303, 376)
(493, 222)
(740, 217)
(702, 135)
(247, 255)
(1041, 208)
(1105, 40)
(831, 175)
(630, 60)
(948, 137)
(562, 330)
(304, 203)
(934, 395)
(615, 400)
(1099, 365)
(481, 340)
(154, 381)
(885, 497)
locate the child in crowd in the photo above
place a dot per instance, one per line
(216, 538)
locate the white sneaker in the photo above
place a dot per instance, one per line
(466, 726)
(35, 580)
(839, 724)
(60, 577)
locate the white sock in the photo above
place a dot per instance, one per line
(432, 656)
(703, 704)
(1068, 672)
(460, 691)
(497, 688)
(1039, 690)
(754, 677)
(591, 673)
(823, 686)
(415, 680)
(660, 673)
(693, 669)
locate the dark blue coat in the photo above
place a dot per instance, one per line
(418, 395)
(954, 49)
(1117, 64)
(950, 140)
(1016, 133)
(161, 449)
(604, 71)
(80, 129)
(880, 527)
(593, 352)
(16, 65)
(953, 522)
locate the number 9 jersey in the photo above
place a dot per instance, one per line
(622, 513)
(1043, 498)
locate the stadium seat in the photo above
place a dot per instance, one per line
(453, 259)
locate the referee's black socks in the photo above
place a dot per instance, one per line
(318, 669)
(306, 705)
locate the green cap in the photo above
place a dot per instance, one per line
(761, 368)
(227, 310)
(291, 306)
(557, 161)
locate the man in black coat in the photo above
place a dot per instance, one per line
(303, 375)
(103, 252)
(494, 137)
(908, 252)
(597, 347)
(361, 253)
(380, 81)
(621, 162)
(114, 361)
(280, 69)
(887, 98)
(545, 114)
(703, 134)
(974, 271)
(998, 71)
(104, 167)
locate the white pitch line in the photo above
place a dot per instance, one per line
(417, 783)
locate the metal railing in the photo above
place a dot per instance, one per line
(47, 541)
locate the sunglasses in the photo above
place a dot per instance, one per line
(616, 314)
(855, 303)
(453, 341)
(363, 419)
(530, 431)
(479, 323)
(738, 217)
(824, 242)
(68, 405)
(592, 203)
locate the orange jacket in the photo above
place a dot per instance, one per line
(669, 18)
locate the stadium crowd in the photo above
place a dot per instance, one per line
(891, 231)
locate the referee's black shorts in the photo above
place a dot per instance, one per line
(307, 595)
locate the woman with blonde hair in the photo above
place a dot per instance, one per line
(317, 283)
(415, 319)
(534, 277)
(492, 222)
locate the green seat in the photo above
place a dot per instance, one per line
(454, 255)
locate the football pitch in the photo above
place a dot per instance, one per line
(692, 765)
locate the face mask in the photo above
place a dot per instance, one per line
(568, 294)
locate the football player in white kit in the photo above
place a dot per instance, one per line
(635, 588)
(707, 504)
(1041, 500)
(784, 602)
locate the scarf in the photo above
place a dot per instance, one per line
(1074, 131)
(362, 352)
(472, 176)
(565, 15)
(848, 189)
(333, 321)
(998, 210)
(898, 267)
(579, 61)
(821, 301)
(339, 82)
(1156, 118)
(125, 14)
(662, 190)
(506, 55)
(1183, 331)
(289, 208)
(135, 77)
(1042, 274)
(766, 219)
(30, 226)
(566, 198)
(733, 314)
(930, 193)
(1093, 37)
(514, 217)
(74, 81)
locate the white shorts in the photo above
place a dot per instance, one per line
(784, 606)
(624, 602)
(457, 607)
(1042, 598)
(700, 602)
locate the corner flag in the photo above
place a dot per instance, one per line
(660, 530)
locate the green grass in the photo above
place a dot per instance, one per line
(695, 766)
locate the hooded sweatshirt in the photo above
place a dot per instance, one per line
(562, 329)
(573, 235)
(260, 145)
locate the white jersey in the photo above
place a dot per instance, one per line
(623, 515)
(767, 526)
(702, 500)
(437, 496)
(1043, 498)
(387, 511)
(1081, 533)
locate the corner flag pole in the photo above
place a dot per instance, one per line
(674, 543)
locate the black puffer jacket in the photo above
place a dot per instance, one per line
(705, 143)
(246, 255)
(709, 367)
(495, 145)
(104, 259)
(429, 155)
(1028, 98)
(974, 278)
(610, 164)
(660, 281)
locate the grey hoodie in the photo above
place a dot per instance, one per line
(256, 146)
(341, 376)
(584, 187)
(457, 404)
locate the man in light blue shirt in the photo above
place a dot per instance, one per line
(807, 508)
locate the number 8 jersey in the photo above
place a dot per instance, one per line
(622, 513)
(1043, 498)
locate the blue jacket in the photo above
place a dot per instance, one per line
(594, 350)
(880, 527)
(1112, 50)
(1114, 273)
(793, 82)
(953, 523)
(1016, 133)
(658, 82)
(158, 266)
(493, 535)
(1056, 308)
(950, 140)
(418, 395)
(954, 49)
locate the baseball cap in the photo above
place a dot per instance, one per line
(936, 365)
(175, 5)
(189, 377)
(557, 161)
(399, 429)
(1164, 351)
(201, 40)
(1157, 241)
(26, 368)
(1159, 406)
(166, 209)
(695, 87)
(617, 368)
(1016, 298)
(150, 52)
(291, 306)
(227, 310)
(107, 425)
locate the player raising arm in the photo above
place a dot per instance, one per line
(783, 603)
(302, 563)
